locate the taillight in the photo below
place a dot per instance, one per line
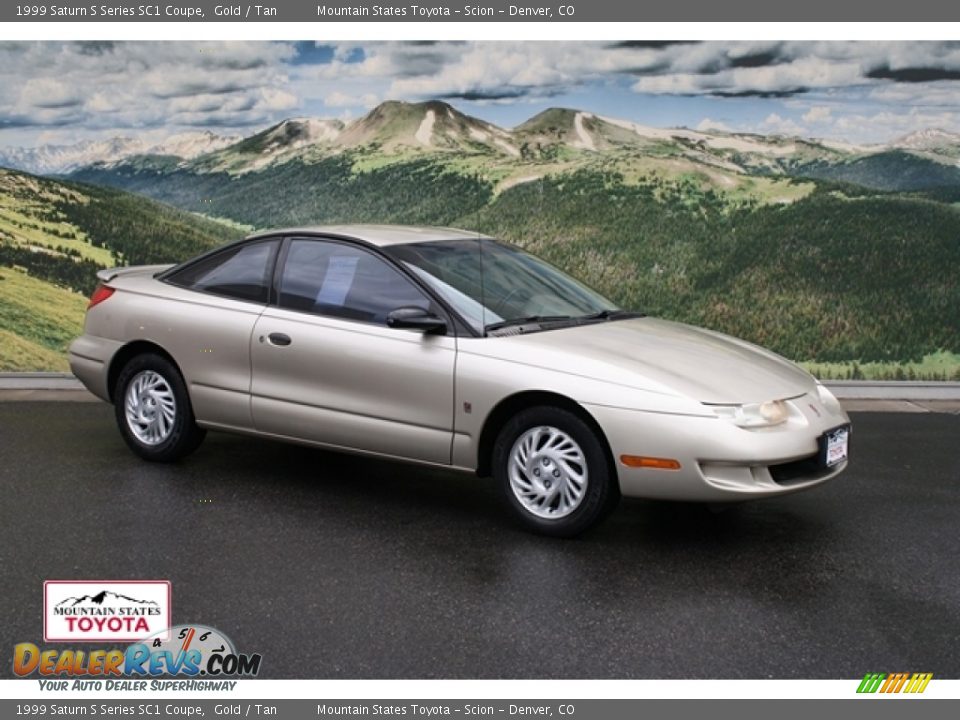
(99, 295)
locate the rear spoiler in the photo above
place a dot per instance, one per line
(108, 274)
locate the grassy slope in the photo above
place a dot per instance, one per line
(29, 217)
(53, 238)
(37, 322)
(937, 366)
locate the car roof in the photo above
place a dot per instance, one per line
(380, 235)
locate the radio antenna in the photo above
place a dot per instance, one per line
(483, 298)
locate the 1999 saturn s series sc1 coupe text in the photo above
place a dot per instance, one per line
(443, 347)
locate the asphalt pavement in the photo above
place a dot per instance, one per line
(335, 566)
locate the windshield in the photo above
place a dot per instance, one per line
(492, 284)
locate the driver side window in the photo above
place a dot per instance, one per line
(343, 281)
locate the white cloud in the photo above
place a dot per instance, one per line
(143, 85)
(49, 93)
(825, 89)
(101, 102)
(938, 94)
(275, 99)
(861, 128)
(817, 114)
(496, 70)
(800, 75)
(886, 124)
(337, 99)
(673, 84)
(708, 124)
(777, 125)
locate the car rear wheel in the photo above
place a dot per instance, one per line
(554, 472)
(153, 410)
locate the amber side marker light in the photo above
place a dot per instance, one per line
(641, 461)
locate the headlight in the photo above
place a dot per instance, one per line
(753, 415)
(829, 400)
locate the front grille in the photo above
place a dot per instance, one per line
(799, 471)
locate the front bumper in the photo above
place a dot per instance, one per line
(718, 460)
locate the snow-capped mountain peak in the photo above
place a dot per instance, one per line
(299, 132)
(63, 159)
(188, 145)
(927, 139)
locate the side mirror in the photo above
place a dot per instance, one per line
(415, 318)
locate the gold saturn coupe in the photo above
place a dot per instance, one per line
(451, 349)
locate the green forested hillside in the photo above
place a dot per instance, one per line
(422, 190)
(892, 171)
(54, 236)
(830, 277)
(844, 273)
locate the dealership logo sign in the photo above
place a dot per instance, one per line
(104, 610)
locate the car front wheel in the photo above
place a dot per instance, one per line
(554, 472)
(153, 410)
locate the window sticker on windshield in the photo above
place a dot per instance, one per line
(337, 281)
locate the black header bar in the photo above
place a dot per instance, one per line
(319, 11)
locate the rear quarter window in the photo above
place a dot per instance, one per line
(242, 272)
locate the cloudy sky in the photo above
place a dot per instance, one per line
(862, 92)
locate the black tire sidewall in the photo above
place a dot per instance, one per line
(602, 489)
(185, 435)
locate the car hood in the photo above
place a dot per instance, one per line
(661, 356)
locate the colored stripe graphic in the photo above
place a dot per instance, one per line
(894, 683)
(919, 682)
(871, 682)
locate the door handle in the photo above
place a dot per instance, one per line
(279, 339)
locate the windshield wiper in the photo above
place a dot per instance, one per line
(611, 315)
(532, 319)
(528, 320)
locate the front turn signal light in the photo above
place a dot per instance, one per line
(655, 463)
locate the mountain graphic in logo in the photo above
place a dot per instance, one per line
(101, 598)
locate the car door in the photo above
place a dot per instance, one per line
(326, 368)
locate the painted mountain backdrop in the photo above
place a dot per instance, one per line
(840, 255)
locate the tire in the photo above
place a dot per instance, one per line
(554, 472)
(153, 410)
